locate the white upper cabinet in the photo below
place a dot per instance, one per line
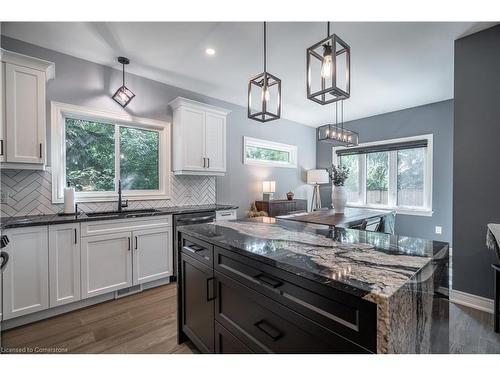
(24, 123)
(199, 138)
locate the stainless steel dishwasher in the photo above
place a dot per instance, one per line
(187, 219)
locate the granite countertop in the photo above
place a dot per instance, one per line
(27, 221)
(370, 265)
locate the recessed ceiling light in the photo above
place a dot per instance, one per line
(210, 51)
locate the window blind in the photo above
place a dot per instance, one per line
(381, 148)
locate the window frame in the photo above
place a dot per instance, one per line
(59, 112)
(262, 143)
(426, 210)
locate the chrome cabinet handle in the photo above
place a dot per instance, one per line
(1, 147)
(204, 162)
(193, 249)
(76, 240)
(40, 150)
(136, 242)
(129, 240)
(208, 162)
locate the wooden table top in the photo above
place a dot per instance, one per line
(329, 217)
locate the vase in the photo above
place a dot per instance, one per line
(339, 199)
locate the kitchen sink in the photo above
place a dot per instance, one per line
(126, 213)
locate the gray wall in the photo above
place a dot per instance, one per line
(476, 175)
(84, 83)
(436, 119)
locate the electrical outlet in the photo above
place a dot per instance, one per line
(439, 230)
(4, 197)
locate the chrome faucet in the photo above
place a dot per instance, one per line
(120, 204)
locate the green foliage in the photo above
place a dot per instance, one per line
(338, 174)
(411, 169)
(90, 156)
(139, 159)
(377, 171)
(260, 153)
(351, 163)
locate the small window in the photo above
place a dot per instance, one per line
(267, 153)
(394, 174)
(99, 148)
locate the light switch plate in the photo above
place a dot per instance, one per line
(439, 230)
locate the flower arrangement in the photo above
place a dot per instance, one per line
(338, 174)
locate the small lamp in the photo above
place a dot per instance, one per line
(123, 95)
(316, 177)
(268, 190)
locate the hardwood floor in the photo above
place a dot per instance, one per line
(147, 323)
(141, 323)
(471, 331)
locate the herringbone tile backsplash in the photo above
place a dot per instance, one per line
(30, 193)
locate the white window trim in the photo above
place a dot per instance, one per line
(427, 210)
(255, 142)
(59, 111)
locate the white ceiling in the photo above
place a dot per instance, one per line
(394, 65)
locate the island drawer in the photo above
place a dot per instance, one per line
(269, 327)
(338, 311)
(227, 343)
(197, 249)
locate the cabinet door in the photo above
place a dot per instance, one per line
(106, 263)
(25, 114)
(193, 123)
(25, 278)
(197, 299)
(152, 254)
(215, 142)
(64, 264)
(2, 112)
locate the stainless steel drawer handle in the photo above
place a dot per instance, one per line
(269, 330)
(193, 220)
(228, 214)
(210, 289)
(193, 248)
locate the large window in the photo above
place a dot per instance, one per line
(267, 153)
(395, 174)
(93, 149)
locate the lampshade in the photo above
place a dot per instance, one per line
(317, 176)
(268, 186)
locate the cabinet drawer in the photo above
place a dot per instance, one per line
(339, 312)
(94, 228)
(227, 343)
(268, 327)
(197, 249)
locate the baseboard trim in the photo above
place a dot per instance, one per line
(471, 300)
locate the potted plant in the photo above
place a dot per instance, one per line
(338, 174)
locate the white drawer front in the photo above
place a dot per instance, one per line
(94, 228)
(225, 215)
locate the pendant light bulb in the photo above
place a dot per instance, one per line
(327, 63)
(265, 94)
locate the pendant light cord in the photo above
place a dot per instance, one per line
(328, 29)
(265, 60)
(123, 74)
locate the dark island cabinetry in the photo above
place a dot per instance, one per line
(230, 303)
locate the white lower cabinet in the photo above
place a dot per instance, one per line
(106, 263)
(152, 258)
(25, 278)
(64, 264)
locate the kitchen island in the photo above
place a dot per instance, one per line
(270, 285)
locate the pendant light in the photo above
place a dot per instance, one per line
(336, 133)
(328, 68)
(265, 91)
(123, 95)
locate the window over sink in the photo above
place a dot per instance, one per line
(395, 174)
(93, 149)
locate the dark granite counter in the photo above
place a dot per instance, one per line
(27, 221)
(400, 274)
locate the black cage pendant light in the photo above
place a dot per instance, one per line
(264, 94)
(328, 70)
(123, 95)
(336, 133)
